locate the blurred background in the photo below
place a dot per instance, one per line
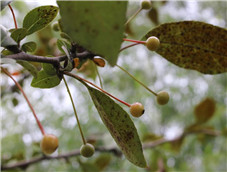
(20, 135)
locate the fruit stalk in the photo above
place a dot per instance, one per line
(136, 80)
(136, 41)
(133, 16)
(82, 79)
(74, 109)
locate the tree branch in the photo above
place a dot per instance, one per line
(53, 60)
(34, 58)
(25, 164)
(115, 151)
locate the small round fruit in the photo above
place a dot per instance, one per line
(137, 109)
(152, 43)
(162, 97)
(87, 150)
(49, 144)
(145, 4)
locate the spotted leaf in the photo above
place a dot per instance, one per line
(39, 18)
(98, 26)
(193, 45)
(120, 127)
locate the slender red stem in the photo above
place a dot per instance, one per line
(26, 98)
(130, 40)
(77, 77)
(14, 18)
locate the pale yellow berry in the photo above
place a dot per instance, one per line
(152, 43)
(145, 4)
(162, 98)
(137, 109)
(87, 150)
(49, 144)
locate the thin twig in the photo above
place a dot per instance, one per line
(26, 98)
(26, 163)
(14, 18)
(53, 60)
(34, 58)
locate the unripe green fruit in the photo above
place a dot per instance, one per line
(49, 144)
(137, 109)
(55, 27)
(152, 43)
(162, 98)
(145, 4)
(87, 150)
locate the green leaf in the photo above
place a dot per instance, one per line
(39, 18)
(6, 52)
(98, 26)
(49, 68)
(6, 40)
(61, 43)
(193, 45)
(29, 46)
(120, 127)
(43, 80)
(31, 68)
(204, 110)
(19, 34)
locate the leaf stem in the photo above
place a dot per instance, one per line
(26, 98)
(74, 109)
(137, 80)
(82, 79)
(14, 18)
(133, 16)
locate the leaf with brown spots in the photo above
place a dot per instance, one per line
(39, 18)
(98, 26)
(193, 45)
(120, 127)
